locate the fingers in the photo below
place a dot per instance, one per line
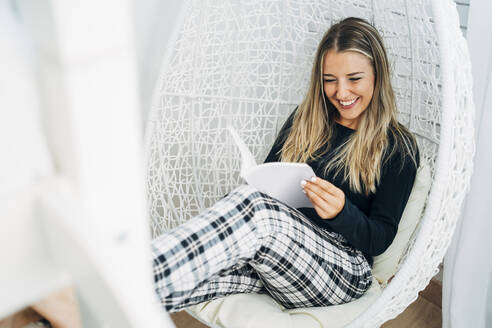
(327, 199)
(326, 186)
(323, 188)
(322, 207)
(320, 191)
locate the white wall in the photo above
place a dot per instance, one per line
(463, 7)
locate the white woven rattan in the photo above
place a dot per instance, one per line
(247, 64)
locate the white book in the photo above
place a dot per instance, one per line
(281, 180)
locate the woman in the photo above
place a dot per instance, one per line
(365, 163)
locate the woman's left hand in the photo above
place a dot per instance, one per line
(328, 200)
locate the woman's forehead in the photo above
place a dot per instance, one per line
(345, 62)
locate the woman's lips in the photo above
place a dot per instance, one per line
(349, 106)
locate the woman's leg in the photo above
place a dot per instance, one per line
(242, 279)
(298, 263)
(207, 256)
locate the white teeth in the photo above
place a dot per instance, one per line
(347, 103)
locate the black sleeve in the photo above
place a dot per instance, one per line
(274, 154)
(373, 234)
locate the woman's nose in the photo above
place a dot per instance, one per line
(342, 91)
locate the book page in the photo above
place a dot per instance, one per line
(247, 159)
(280, 180)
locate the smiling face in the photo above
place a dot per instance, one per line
(348, 83)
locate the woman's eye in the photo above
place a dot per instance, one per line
(328, 80)
(355, 78)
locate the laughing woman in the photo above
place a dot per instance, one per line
(365, 164)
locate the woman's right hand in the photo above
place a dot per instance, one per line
(327, 199)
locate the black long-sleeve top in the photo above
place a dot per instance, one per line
(368, 222)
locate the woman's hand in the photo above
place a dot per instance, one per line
(327, 199)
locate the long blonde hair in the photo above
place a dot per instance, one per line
(360, 158)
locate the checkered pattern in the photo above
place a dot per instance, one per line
(249, 242)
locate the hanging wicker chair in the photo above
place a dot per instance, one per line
(247, 64)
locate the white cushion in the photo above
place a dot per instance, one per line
(386, 264)
(260, 310)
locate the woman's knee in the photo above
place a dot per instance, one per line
(267, 213)
(246, 191)
(248, 196)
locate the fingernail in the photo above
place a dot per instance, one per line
(313, 179)
(303, 183)
(304, 191)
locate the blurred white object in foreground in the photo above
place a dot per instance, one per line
(72, 201)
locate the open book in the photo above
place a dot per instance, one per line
(280, 180)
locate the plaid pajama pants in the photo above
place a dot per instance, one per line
(249, 242)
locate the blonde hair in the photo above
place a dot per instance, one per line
(360, 157)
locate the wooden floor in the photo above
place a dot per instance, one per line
(420, 314)
(425, 312)
(62, 312)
